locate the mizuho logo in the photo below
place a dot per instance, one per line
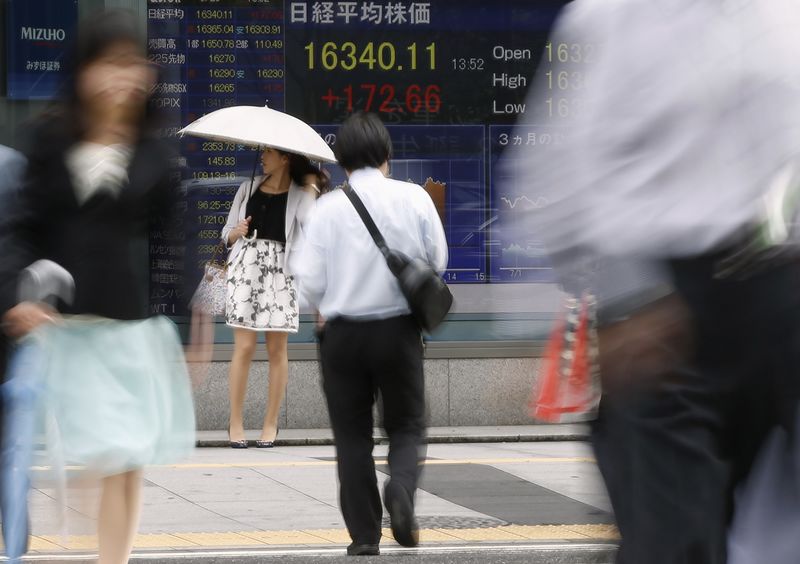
(43, 34)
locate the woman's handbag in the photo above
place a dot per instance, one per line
(209, 298)
(568, 389)
(428, 296)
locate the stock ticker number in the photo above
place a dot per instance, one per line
(386, 98)
(383, 56)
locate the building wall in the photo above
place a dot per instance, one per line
(460, 392)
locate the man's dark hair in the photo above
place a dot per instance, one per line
(362, 141)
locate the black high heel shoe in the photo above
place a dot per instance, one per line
(236, 444)
(267, 444)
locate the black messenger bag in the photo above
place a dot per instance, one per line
(428, 296)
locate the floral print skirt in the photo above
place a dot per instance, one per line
(261, 296)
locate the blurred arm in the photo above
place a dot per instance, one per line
(20, 232)
(19, 226)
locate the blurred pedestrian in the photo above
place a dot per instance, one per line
(266, 226)
(677, 153)
(12, 163)
(97, 176)
(12, 170)
(370, 343)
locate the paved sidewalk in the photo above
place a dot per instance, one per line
(502, 493)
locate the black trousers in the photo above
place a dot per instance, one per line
(672, 452)
(361, 359)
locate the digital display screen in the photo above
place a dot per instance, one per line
(448, 77)
(445, 62)
(38, 34)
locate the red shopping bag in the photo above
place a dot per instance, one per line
(568, 385)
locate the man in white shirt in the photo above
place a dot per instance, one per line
(370, 343)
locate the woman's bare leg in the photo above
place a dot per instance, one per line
(244, 346)
(277, 350)
(118, 520)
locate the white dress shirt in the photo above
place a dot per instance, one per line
(94, 167)
(688, 109)
(341, 270)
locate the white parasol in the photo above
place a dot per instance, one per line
(261, 126)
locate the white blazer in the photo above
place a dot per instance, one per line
(299, 208)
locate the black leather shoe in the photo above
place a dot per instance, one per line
(401, 514)
(363, 550)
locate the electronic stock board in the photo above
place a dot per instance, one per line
(448, 77)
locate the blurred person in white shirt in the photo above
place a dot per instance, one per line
(677, 158)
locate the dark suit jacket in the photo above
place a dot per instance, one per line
(103, 243)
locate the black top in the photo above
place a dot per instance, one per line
(103, 243)
(269, 215)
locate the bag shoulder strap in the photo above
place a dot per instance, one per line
(369, 223)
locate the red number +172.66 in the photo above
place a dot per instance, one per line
(385, 98)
